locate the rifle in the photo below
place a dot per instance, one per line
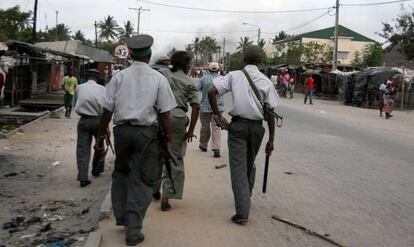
(169, 156)
(269, 112)
(265, 174)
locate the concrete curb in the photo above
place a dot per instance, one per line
(52, 113)
(106, 207)
(94, 239)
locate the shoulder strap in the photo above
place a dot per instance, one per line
(256, 92)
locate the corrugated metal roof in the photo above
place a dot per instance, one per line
(77, 48)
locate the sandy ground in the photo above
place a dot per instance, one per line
(38, 182)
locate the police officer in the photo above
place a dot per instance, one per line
(135, 96)
(245, 130)
(87, 107)
(185, 94)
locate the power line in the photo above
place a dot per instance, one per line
(233, 11)
(194, 32)
(373, 4)
(304, 24)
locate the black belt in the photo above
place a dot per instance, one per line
(235, 119)
(87, 116)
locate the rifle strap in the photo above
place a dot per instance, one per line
(254, 88)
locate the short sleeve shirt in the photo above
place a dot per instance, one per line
(86, 98)
(69, 84)
(245, 103)
(137, 94)
(183, 88)
(204, 85)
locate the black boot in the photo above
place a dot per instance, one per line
(85, 183)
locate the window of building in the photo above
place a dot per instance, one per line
(343, 55)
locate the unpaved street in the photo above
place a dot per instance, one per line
(337, 170)
(38, 182)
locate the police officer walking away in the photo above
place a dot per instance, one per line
(135, 96)
(245, 130)
(185, 94)
(87, 107)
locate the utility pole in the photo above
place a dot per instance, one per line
(57, 13)
(34, 22)
(224, 53)
(335, 51)
(258, 36)
(96, 34)
(139, 11)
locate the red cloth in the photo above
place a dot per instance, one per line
(309, 83)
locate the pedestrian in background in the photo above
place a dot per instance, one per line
(185, 94)
(87, 107)
(245, 130)
(381, 97)
(209, 127)
(69, 85)
(388, 97)
(291, 86)
(309, 81)
(136, 96)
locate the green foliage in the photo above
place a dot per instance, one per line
(316, 53)
(107, 45)
(243, 44)
(203, 49)
(281, 36)
(79, 36)
(59, 33)
(262, 43)
(13, 21)
(109, 29)
(236, 61)
(126, 31)
(372, 55)
(401, 33)
(357, 60)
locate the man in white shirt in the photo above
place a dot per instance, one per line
(245, 130)
(135, 96)
(87, 107)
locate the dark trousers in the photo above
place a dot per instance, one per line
(87, 127)
(136, 172)
(309, 93)
(244, 140)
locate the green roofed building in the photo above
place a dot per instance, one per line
(349, 42)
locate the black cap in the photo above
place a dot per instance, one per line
(140, 45)
(93, 72)
(253, 52)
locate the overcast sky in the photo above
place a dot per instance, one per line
(172, 27)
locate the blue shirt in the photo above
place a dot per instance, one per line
(204, 85)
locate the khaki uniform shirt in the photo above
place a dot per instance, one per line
(183, 88)
(86, 98)
(245, 103)
(136, 94)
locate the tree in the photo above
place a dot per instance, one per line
(13, 21)
(79, 36)
(236, 61)
(281, 36)
(402, 34)
(59, 33)
(208, 46)
(373, 55)
(358, 60)
(196, 48)
(108, 28)
(244, 43)
(262, 43)
(126, 31)
(107, 46)
(316, 53)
